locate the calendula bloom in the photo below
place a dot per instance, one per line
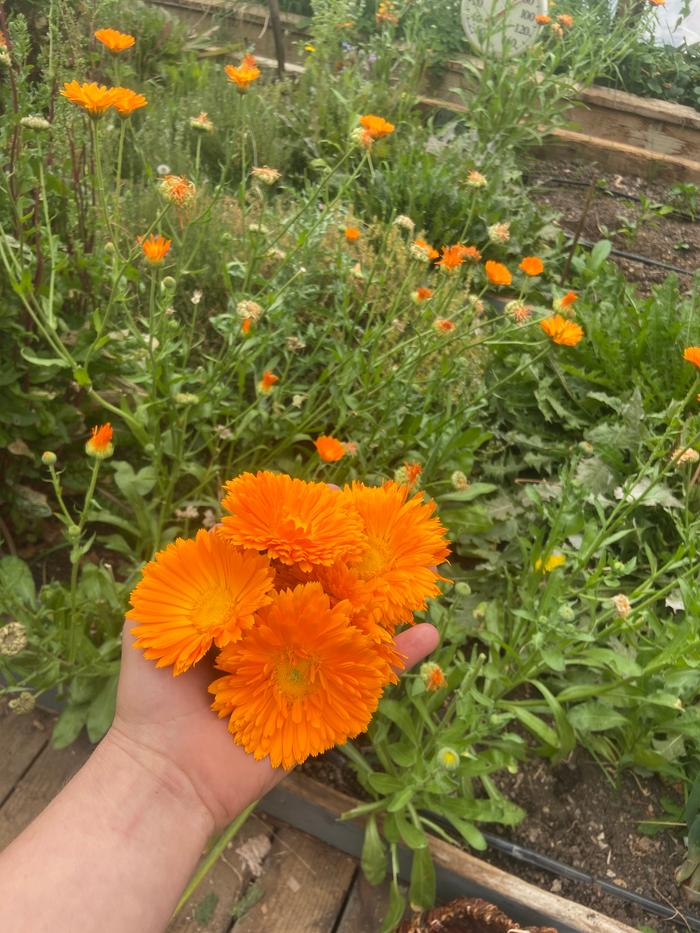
(497, 273)
(566, 301)
(531, 265)
(657, 2)
(452, 257)
(476, 179)
(560, 330)
(443, 325)
(408, 473)
(403, 220)
(245, 74)
(329, 448)
(100, 444)
(267, 382)
(300, 523)
(542, 19)
(432, 676)
(692, 355)
(376, 127)
(565, 20)
(405, 543)
(248, 310)
(155, 248)
(683, 455)
(309, 48)
(622, 605)
(125, 101)
(518, 311)
(194, 594)
(423, 251)
(421, 294)
(550, 563)
(177, 189)
(351, 233)
(93, 98)
(304, 679)
(114, 40)
(499, 233)
(245, 326)
(201, 123)
(265, 174)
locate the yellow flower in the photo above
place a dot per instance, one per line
(550, 563)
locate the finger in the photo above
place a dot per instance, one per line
(416, 643)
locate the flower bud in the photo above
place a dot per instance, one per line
(35, 123)
(462, 588)
(448, 758)
(73, 532)
(168, 283)
(566, 613)
(13, 639)
(48, 458)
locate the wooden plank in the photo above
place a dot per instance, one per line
(227, 881)
(662, 111)
(21, 740)
(47, 775)
(305, 885)
(365, 907)
(458, 873)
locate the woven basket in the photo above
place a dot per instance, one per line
(467, 915)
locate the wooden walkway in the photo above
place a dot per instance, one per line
(271, 879)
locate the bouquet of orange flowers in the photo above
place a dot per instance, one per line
(301, 588)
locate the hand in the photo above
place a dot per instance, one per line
(163, 720)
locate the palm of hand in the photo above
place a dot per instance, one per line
(170, 717)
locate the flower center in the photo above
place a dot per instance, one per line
(295, 676)
(376, 558)
(211, 609)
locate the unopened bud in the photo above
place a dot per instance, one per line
(448, 758)
(48, 458)
(168, 282)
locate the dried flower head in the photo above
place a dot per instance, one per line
(201, 123)
(248, 310)
(404, 221)
(622, 605)
(518, 311)
(444, 325)
(295, 343)
(565, 20)
(177, 189)
(476, 179)
(13, 639)
(265, 174)
(557, 30)
(561, 331)
(99, 445)
(23, 704)
(499, 233)
(114, 40)
(683, 455)
(423, 251)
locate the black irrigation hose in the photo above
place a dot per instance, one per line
(657, 263)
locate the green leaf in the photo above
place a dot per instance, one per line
(421, 893)
(595, 716)
(599, 254)
(469, 832)
(81, 376)
(401, 799)
(373, 859)
(43, 361)
(16, 583)
(68, 725)
(473, 491)
(204, 911)
(384, 783)
(395, 910)
(101, 710)
(537, 726)
(134, 484)
(412, 835)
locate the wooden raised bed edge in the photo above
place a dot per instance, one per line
(315, 809)
(619, 131)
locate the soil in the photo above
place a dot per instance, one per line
(577, 816)
(615, 213)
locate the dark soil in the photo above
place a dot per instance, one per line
(616, 213)
(577, 816)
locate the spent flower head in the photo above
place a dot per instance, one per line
(13, 639)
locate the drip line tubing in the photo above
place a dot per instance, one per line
(634, 257)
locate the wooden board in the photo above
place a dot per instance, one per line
(458, 873)
(21, 740)
(365, 907)
(305, 885)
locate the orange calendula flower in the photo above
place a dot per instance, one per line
(423, 251)
(443, 325)
(351, 233)
(565, 20)
(304, 679)
(432, 676)
(562, 331)
(295, 522)
(405, 545)
(93, 98)
(125, 101)
(532, 265)
(692, 355)
(267, 382)
(245, 74)
(155, 248)
(409, 473)
(114, 40)
(329, 448)
(497, 273)
(375, 126)
(177, 189)
(196, 593)
(100, 444)
(565, 301)
(245, 326)
(421, 294)
(543, 20)
(453, 256)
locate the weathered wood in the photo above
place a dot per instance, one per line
(21, 740)
(227, 881)
(459, 874)
(44, 779)
(365, 908)
(305, 884)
